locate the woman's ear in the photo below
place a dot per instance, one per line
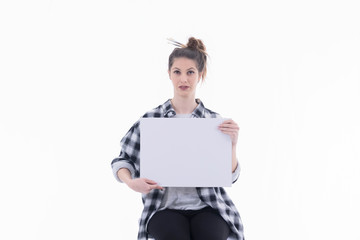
(200, 76)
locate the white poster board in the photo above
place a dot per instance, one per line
(185, 152)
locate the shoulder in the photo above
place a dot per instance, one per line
(163, 110)
(134, 132)
(207, 113)
(211, 114)
(155, 112)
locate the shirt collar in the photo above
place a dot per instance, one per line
(199, 111)
(168, 110)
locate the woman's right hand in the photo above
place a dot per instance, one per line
(143, 185)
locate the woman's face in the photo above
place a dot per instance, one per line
(184, 76)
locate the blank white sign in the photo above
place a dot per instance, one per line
(185, 152)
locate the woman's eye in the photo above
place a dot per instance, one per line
(177, 72)
(190, 72)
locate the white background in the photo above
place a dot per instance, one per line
(75, 75)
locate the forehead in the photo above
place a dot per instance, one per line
(184, 63)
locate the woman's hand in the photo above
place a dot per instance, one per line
(143, 185)
(230, 128)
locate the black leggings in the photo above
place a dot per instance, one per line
(200, 224)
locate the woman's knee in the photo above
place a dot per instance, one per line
(167, 224)
(210, 226)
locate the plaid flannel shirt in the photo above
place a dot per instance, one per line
(215, 197)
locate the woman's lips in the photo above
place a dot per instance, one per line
(183, 88)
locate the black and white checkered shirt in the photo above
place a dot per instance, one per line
(215, 197)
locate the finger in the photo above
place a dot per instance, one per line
(230, 133)
(150, 181)
(229, 130)
(231, 124)
(225, 124)
(229, 121)
(232, 127)
(233, 130)
(156, 187)
(159, 187)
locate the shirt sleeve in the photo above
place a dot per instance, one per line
(129, 154)
(236, 173)
(119, 163)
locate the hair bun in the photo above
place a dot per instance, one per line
(196, 44)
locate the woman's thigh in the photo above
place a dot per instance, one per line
(169, 224)
(209, 225)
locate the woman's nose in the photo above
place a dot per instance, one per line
(183, 78)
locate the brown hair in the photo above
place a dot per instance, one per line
(194, 49)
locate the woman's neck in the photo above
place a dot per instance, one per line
(183, 105)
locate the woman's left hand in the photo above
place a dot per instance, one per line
(230, 128)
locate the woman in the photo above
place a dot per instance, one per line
(181, 213)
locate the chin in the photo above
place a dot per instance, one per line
(184, 94)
